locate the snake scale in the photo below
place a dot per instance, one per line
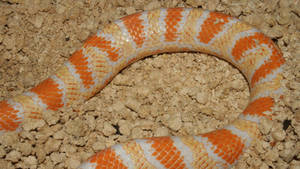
(142, 34)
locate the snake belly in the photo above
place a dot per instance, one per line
(139, 35)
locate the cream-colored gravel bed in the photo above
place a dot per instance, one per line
(169, 94)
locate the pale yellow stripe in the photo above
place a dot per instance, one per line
(72, 86)
(201, 157)
(251, 128)
(135, 152)
(270, 86)
(29, 106)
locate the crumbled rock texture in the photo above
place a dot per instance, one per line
(169, 94)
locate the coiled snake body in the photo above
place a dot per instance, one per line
(151, 32)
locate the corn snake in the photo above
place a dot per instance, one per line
(165, 30)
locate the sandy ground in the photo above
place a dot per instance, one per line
(169, 94)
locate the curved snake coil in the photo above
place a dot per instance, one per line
(135, 36)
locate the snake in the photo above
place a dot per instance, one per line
(133, 37)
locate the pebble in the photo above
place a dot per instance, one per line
(278, 135)
(57, 157)
(287, 154)
(2, 152)
(271, 155)
(24, 148)
(33, 124)
(284, 16)
(9, 139)
(40, 153)
(136, 132)
(30, 161)
(133, 104)
(161, 131)
(266, 126)
(235, 10)
(97, 146)
(73, 163)
(295, 105)
(37, 21)
(202, 97)
(297, 116)
(195, 3)
(9, 42)
(125, 127)
(108, 129)
(275, 32)
(76, 127)
(173, 121)
(295, 164)
(52, 145)
(13, 156)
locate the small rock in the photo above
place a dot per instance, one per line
(278, 135)
(9, 42)
(27, 79)
(297, 116)
(152, 5)
(13, 156)
(173, 121)
(125, 127)
(9, 139)
(73, 163)
(60, 9)
(6, 164)
(295, 105)
(30, 161)
(143, 91)
(108, 129)
(295, 164)
(266, 126)
(202, 97)
(263, 166)
(51, 117)
(161, 131)
(121, 80)
(284, 3)
(40, 153)
(236, 85)
(59, 135)
(33, 124)
(195, 3)
(68, 149)
(289, 152)
(133, 104)
(37, 21)
(260, 147)
(97, 146)
(212, 4)
(24, 148)
(130, 10)
(57, 157)
(275, 32)
(271, 155)
(52, 145)
(284, 16)
(295, 8)
(91, 122)
(145, 124)
(136, 132)
(2, 152)
(235, 10)
(76, 128)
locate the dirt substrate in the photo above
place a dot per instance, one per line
(169, 94)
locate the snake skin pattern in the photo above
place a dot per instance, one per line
(135, 36)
